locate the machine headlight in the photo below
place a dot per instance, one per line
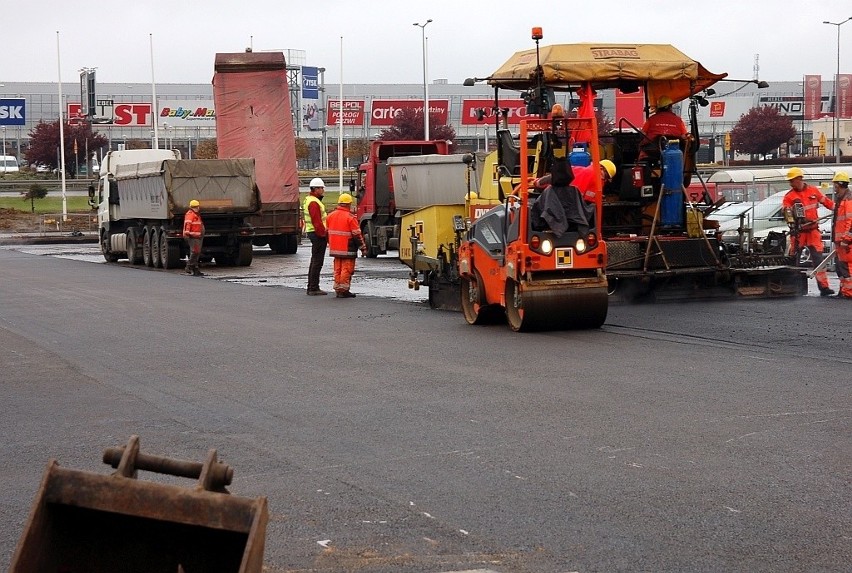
(547, 246)
(580, 246)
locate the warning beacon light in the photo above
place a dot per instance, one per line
(537, 33)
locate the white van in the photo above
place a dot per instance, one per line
(9, 164)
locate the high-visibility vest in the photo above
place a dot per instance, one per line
(309, 224)
(193, 227)
(342, 229)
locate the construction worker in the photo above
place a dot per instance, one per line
(662, 123)
(193, 234)
(315, 227)
(841, 232)
(344, 241)
(805, 221)
(583, 178)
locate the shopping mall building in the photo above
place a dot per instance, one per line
(185, 113)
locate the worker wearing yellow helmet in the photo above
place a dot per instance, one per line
(663, 123)
(193, 234)
(581, 177)
(804, 222)
(842, 233)
(344, 240)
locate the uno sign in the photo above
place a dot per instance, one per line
(124, 114)
(517, 111)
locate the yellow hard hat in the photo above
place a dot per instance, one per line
(472, 196)
(609, 166)
(194, 203)
(664, 101)
(841, 177)
(794, 172)
(344, 199)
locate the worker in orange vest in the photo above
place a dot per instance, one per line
(344, 240)
(193, 233)
(662, 123)
(841, 234)
(806, 231)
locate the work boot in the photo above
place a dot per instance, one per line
(345, 294)
(317, 292)
(187, 270)
(197, 273)
(825, 291)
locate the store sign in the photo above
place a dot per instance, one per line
(353, 112)
(517, 110)
(124, 115)
(187, 113)
(384, 111)
(717, 109)
(13, 111)
(310, 83)
(813, 94)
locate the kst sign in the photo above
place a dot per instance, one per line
(123, 114)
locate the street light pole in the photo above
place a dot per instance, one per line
(836, 122)
(4, 149)
(425, 85)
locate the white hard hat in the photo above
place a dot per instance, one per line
(316, 182)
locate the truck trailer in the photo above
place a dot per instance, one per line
(252, 98)
(142, 197)
(379, 207)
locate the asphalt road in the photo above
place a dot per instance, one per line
(392, 438)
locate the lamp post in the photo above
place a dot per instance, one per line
(425, 85)
(836, 123)
(4, 149)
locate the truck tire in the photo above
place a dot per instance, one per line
(147, 256)
(369, 232)
(244, 254)
(169, 252)
(284, 244)
(109, 256)
(134, 253)
(156, 261)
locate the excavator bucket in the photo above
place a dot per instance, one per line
(87, 522)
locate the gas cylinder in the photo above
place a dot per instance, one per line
(671, 208)
(580, 155)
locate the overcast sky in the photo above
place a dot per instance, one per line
(381, 45)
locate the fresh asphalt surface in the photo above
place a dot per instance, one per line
(709, 436)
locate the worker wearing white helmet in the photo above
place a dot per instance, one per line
(842, 232)
(315, 226)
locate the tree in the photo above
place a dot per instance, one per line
(36, 191)
(761, 131)
(408, 126)
(44, 144)
(207, 149)
(357, 149)
(303, 149)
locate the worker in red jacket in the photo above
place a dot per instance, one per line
(841, 234)
(583, 178)
(193, 234)
(313, 213)
(663, 123)
(805, 221)
(344, 241)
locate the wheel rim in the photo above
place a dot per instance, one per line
(131, 247)
(514, 306)
(164, 250)
(470, 298)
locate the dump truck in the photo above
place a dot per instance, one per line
(252, 98)
(86, 521)
(652, 233)
(378, 207)
(143, 195)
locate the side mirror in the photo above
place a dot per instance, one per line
(91, 191)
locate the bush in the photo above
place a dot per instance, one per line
(36, 191)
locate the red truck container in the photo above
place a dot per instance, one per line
(252, 99)
(377, 212)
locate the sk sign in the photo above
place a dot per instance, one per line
(13, 112)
